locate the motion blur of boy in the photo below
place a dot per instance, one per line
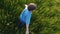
(25, 16)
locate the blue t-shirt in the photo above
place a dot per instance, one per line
(26, 16)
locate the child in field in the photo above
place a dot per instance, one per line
(25, 16)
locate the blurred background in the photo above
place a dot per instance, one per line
(45, 19)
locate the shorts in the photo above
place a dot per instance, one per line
(21, 24)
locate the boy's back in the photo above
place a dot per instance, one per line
(25, 16)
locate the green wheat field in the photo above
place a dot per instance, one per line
(45, 19)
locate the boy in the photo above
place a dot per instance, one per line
(25, 16)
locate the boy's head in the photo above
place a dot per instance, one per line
(31, 6)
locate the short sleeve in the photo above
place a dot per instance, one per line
(28, 17)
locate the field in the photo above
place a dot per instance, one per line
(45, 19)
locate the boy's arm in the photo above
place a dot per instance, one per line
(27, 29)
(27, 23)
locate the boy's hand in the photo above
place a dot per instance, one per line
(27, 32)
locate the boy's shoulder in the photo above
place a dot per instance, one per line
(27, 11)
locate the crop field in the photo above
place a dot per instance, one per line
(45, 19)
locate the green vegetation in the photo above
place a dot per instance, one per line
(45, 19)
